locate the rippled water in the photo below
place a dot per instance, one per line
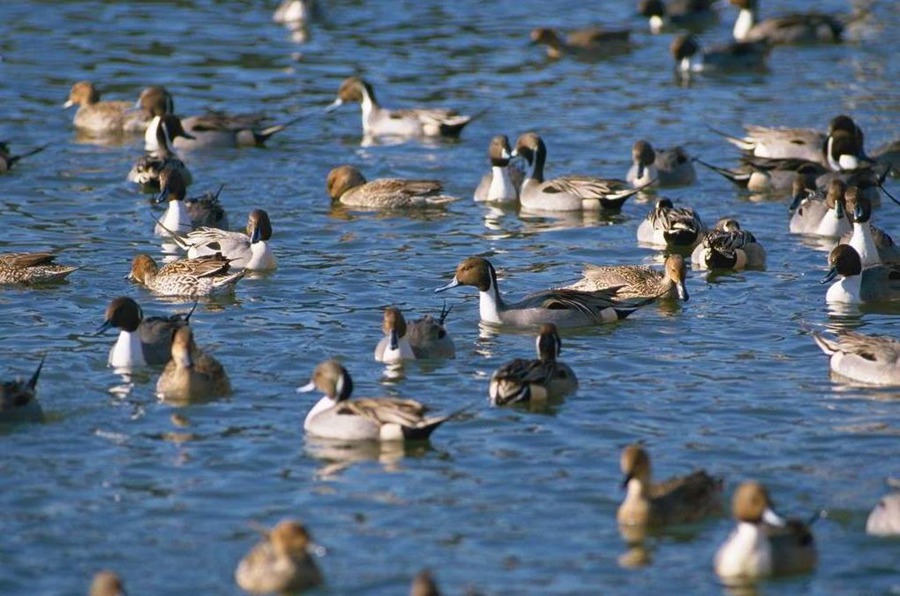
(504, 500)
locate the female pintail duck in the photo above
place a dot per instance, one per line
(871, 243)
(417, 122)
(18, 401)
(767, 175)
(568, 193)
(8, 160)
(594, 42)
(203, 276)
(185, 214)
(104, 117)
(107, 583)
(637, 281)
(678, 500)
(191, 374)
(146, 170)
(31, 268)
(884, 519)
(727, 246)
(663, 167)
(876, 283)
(501, 184)
(680, 14)
(336, 416)
(281, 562)
(425, 338)
(868, 359)
(562, 307)
(763, 544)
(816, 214)
(250, 250)
(789, 29)
(676, 228)
(347, 186)
(691, 57)
(142, 340)
(532, 381)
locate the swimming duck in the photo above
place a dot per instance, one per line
(637, 281)
(281, 562)
(18, 400)
(424, 585)
(347, 186)
(336, 416)
(530, 381)
(884, 519)
(31, 268)
(250, 250)
(690, 56)
(870, 359)
(681, 14)
(191, 374)
(394, 346)
(674, 228)
(871, 244)
(425, 338)
(103, 117)
(141, 341)
(592, 42)
(876, 283)
(789, 29)
(293, 12)
(816, 214)
(203, 276)
(185, 214)
(763, 544)
(7, 160)
(567, 193)
(767, 175)
(501, 184)
(663, 167)
(563, 307)
(727, 246)
(107, 583)
(146, 170)
(417, 122)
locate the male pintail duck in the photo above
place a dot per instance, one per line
(637, 281)
(534, 381)
(789, 29)
(727, 246)
(250, 250)
(142, 340)
(18, 401)
(502, 183)
(185, 214)
(876, 283)
(767, 175)
(884, 519)
(563, 307)
(378, 121)
(690, 56)
(104, 117)
(870, 359)
(425, 338)
(7, 160)
(203, 276)
(281, 562)
(568, 193)
(816, 214)
(424, 585)
(394, 346)
(107, 583)
(191, 375)
(676, 228)
(31, 268)
(680, 14)
(293, 12)
(763, 544)
(871, 243)
(664, 167)
(678, 500)
(347, 186)
(587, 43)
(336, 416)
(146, 170)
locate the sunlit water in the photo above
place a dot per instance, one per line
(503, 501)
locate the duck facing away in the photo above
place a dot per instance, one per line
(534, 381)
(663, 167)
(142, 340)
(18, 399)
(31, 268)
(870, 359)
(203, 276)
(502, 183)
(637, 281)
(729, 247)
(675, 228)
(281, 562)
(347, 186)
(191, 374)
(795, 28)
(858, 284)
(594, 42)
(250, 250)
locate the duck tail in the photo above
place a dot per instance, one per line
(504, 391)
(738, 178)
(623, 311)
(455, 127)
(32, 382)
(827, 346)
(742, 144)
(423, 431)
(178, 238)
(13, 159)
(445, 310)
(264, 135)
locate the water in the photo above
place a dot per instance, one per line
(504, 500)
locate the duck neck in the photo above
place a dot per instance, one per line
(864, 243)
(650, 174)
(744, 23)
(177, 218)
(490, 304)
(127, 351)
(747, 552)
(261, 256)
(536, 167)
(501, 184)
(326, 403)
(150, 143)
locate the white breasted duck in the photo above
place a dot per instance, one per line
(251, 250)
(142, 340)
(797, 28)
(870, 359)
(502, 183)
(663, 167)
(876, 283)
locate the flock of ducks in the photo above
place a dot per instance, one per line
(832, 182)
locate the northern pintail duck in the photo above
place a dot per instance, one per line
(250, 250)
(868, 359)
(691, 57)
(637, 281)
(104, 117)
(7, 160)
(142, 340)
(203, 276)
(767, 175)
(425, 338)
(416, 122)
(884, 519)
(678, 500)
(394, 346)
(727, 246)
(763, 544)
(592, 42)
(424, 585)
(347, 186)
(872, 244)
(858, 284)
(562, 307)
(336, 416)
(534, 381)
(682, 14)
(816, 214)
(18, 400)
(107, 583)
(184, 214)
(502, 183)
(281, 562)
(146, 170)
(663, 167)
(31, 268)
(292, 12)
(567, 193)
(676, 228)
(789, 29)
(191, 374)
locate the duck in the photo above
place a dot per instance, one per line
(767, 175)
(294, 12)
(637, 281)
(670, 227)
(191, 374)
(690, 57)
(142, 340)
(502, 183)
(763, 544)
(203, 276)
(567, 193)
(281, 562)
(107, 583)
(870, 359)
(8, 160)
(871, 243)
(424, 338)
(416, 122)
(146, 170)
(103, 117)
(338, 417)
(680, 14)
(562, 307)
(28, 268)
(347, 186)
(678, 500)
(817, 214)
(727, 246)
(593, 42)
(18, 399)
(858, 284)
(534, 381)
(662, 167)
(423, 584)
(251, 250)
(798, 28)
(185, 214)
(394, 346)
(884, 519)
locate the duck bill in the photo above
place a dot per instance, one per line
(798, 198)
(334, 105)
(306, 388)
(772, 518)
(68, 104)
(107, 324)
(830, 276)
(452, 284)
